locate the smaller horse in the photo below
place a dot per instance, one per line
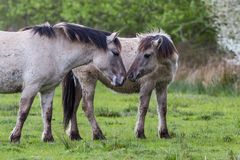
(37, 58)
(151, 61)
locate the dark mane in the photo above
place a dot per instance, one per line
(75, 32)
(84, 34)
(43, 30)
(166, 50)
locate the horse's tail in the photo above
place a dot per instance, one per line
(69, 89)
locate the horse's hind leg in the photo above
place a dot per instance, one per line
(145, 95)
(46, 104)
(88, 87)
(73, 129)
(161, 93)
(27, 97)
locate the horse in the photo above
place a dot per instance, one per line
(36, 59)
(151, 61)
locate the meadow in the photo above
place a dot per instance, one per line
(202, 126)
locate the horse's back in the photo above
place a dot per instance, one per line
(129, 51)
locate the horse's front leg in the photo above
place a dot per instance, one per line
(46, 104)
(88, 98)
(145, 95)
(27, 97)
(161, 93)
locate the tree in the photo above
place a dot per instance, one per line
(183, 19)
(226, 16)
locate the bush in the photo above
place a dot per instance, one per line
(183, 19)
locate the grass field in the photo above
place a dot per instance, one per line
(201, 127)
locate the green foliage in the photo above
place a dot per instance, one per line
(17, 13)
(183, 19)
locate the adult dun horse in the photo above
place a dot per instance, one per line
(154, 61)
(37, 58)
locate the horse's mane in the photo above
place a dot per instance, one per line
(75, 32)
(43, 30)
(167, 48)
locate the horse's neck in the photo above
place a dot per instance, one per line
(165, 71)
(73, 54)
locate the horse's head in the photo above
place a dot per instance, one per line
(105, 54)
(152, 50)
(110, 62)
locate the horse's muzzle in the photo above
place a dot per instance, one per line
(133, 77)
(118, 81)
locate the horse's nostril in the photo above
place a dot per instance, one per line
(131, 77)
(137, 76)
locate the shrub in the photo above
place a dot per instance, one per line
(183, 19)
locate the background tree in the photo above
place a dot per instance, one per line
(226, 18)
(183, 19)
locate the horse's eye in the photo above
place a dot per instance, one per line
(115, 53)
(147, 55)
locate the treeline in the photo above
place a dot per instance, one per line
(183, 19)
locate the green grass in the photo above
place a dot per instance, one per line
(201, 126)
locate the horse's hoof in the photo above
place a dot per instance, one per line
(164, 134)
(140, 135)
(15, 138)
(98, 136)
(47, 138)
(75, 136)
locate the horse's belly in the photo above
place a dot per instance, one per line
(11, 81)
(50, 85)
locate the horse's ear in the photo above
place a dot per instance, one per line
(158, 42)
(112, 37)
